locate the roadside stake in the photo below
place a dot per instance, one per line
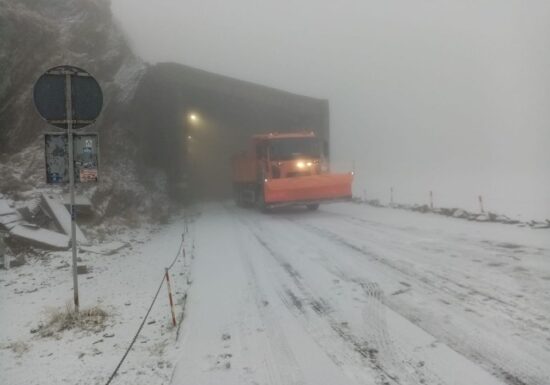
(167, 278)
(170, 297)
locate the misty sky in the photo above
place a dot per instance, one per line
(452, 96)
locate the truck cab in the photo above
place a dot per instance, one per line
(287, 169)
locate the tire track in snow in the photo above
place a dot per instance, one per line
(284, 368)
(489, 355)
(334, 339)
(515, 310)
(375, 330)
(374, 316)
(318, 330)
(377, 349)
(376, 345)
(387, 355)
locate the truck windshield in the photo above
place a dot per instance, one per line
(287, 149)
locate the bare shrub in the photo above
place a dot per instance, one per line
(90, 319)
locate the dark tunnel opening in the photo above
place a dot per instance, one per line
(189, 123)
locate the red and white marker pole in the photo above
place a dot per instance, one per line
(170, 297)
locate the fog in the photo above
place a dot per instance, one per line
(449, 96)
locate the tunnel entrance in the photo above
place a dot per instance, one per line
(189, 123)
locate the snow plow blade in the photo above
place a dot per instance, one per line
(307, 189)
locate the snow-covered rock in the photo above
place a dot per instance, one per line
(459, 213)
(539, 225)
(40, 237)
(5, 207)
(483, 218)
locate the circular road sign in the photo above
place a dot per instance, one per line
(51, 91)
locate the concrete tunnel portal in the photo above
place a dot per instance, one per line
(190, 123)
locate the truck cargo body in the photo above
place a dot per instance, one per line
(287, 169)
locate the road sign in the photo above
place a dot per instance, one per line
(51, 101)
(69, 97)
(85, 154)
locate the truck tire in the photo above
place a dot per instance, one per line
(237, 195)
(313, 206)
(260, 201)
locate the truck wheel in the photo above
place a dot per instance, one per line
(260, 201)
(313, 206)
(237, 196)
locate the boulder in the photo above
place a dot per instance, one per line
(374, 202)
(62, 217)
(5, 207)
(483, 218)
(40, 237)
(9, 221)
(421, 208)
(18, 261)
(459, 213)
(539, 225)
(446, 211)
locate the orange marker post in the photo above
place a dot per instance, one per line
(170, 297)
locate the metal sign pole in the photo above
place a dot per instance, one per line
(69, 116)
(74, 90)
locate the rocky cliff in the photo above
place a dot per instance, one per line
(38, 34)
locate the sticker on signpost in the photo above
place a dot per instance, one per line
(86, 158)
(57, 171)
(88, 175)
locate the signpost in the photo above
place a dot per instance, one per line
(69, 98)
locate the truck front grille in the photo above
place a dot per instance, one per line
(294, 174)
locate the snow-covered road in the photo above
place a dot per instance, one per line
(353, 294)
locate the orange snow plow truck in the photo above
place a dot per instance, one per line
(287, 170)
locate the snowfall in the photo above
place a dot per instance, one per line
(348, 294)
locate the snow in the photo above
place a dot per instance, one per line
(9, 221)
(350, 294)
(128, 77)
(79, 200)
(105, 248)
(63, 217)
(5, 208)
(354, 294)
(122, 284)
(42, 237)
